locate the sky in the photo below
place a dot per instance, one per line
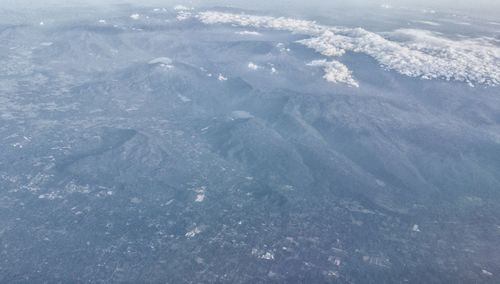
(445, 4)
(476, 8)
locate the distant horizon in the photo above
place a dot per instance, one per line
(490, 8)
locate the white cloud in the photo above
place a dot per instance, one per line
(414, 53)
(183, 12)
(222, 78)
(182, 8)
(282, 47)
(253, 33)
(299, 26)
(428, 23)
(184, 15)
(425, 11)
(135, 16)
(335, 72)
(324, 44)
(253, 66)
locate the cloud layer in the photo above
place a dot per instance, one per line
(414, 53)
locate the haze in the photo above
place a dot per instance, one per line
(491, 8)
